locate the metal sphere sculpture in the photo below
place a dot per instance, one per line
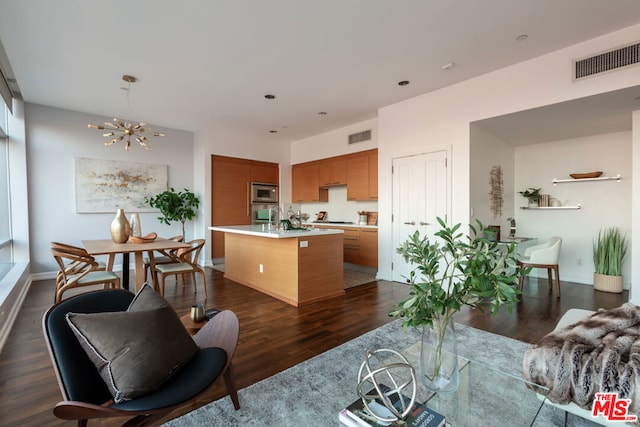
(376, 370)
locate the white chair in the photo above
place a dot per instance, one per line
(544, 255)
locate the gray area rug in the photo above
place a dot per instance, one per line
(313, 392)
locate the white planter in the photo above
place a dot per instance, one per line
(602, 282)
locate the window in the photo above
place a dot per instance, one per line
(6, 253)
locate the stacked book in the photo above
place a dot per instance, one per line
(357, 415)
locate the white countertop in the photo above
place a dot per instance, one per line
(341, 225)
(257, 230)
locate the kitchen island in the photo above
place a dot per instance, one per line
(296, 266)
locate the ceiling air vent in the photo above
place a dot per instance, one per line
(607, 61)
(360, 136)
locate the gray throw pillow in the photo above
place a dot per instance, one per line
(136, 350)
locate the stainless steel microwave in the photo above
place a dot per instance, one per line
(264, 193)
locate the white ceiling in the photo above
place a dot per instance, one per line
(208, 64)
(593, 115)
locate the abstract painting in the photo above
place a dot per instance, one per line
(496, 199)
(107, 185)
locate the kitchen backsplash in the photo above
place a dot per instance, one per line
(338, 208)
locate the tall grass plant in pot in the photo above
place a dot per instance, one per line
(452, 270)
(609, 252)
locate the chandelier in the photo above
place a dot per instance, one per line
(123, 130)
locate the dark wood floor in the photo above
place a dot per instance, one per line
(273, 337)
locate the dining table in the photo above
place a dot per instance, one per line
(111, 249)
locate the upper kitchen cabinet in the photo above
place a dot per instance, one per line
(359, 171)
(332, 172)
(305, 186)
(265, 172)
(373, 175)
(362, 176)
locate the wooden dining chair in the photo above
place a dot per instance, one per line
(163, 257)
(187, 263)
(77, 269)
(72, 265)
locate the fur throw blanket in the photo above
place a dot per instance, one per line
(598, 354)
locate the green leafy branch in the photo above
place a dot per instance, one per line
(453, 271)
(175, 206)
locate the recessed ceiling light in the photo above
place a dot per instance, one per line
(403, 82)
(522, 37)
(269, 96)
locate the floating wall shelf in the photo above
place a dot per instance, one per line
(600, 178)
(552, 208)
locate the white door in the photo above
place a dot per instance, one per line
(419, 196)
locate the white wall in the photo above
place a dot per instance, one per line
(334, 143)
(487, 152)
(603, 203)
(443, 118)
(338, 208)
(634, 258)
(55, 137)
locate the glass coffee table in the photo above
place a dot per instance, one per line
(487, 397)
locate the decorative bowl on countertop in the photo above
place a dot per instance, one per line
(585, 175)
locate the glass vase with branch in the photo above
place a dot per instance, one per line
(452, 270)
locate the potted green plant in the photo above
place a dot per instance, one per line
(452, 271)
(609, 251)
(532, 195)
(175, 206)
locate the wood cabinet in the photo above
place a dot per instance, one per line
(362, 176)
(351, 245)
(305, 186)
(332, 172)
(265, 172)
(368, 254)
(360, 245)
(231, 179)
(359, 171)
(285, 268)
(358, 178)
(373, 175)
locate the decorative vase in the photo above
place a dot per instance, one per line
(136, 228)
(439, 356)
(120, 227)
